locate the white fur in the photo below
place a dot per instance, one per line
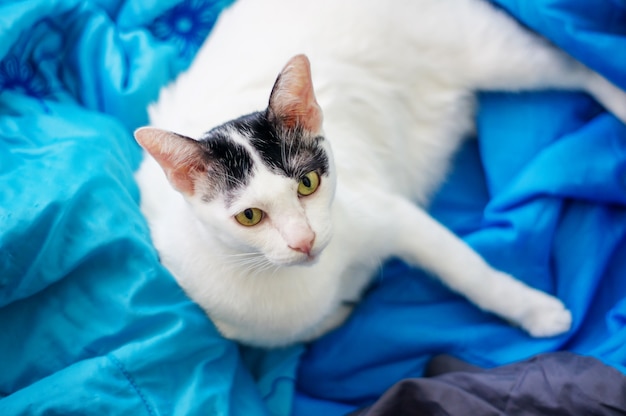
(395, 80)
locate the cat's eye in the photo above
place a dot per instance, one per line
(249, 217)
(309, 183)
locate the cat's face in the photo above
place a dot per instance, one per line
(279, 205)
(264, 183)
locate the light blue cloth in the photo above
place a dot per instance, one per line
(92, 324)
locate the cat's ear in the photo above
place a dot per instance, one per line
(180, 157)
(292, 102)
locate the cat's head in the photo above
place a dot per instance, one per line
(263, 183)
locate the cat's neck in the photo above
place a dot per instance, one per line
(234, 285)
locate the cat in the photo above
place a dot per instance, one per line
(275, 222)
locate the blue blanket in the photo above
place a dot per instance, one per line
(93, 324)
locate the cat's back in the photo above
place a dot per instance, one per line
(350, 44)
(383, 72)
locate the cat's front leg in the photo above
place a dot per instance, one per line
(537, 312)
(422, 241)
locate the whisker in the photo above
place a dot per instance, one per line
(243, 254)
(250, 262)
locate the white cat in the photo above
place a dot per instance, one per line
(273, 235)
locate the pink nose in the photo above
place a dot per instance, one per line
(303, 246)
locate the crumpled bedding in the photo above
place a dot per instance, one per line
(93, 324)
(556, 384)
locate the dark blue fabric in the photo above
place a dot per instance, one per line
(92, 324)
(542, 195)
(556, 384)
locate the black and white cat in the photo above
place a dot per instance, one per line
(276, 221)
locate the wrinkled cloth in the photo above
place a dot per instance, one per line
(93, 324)
(555, 384)
(541, 195)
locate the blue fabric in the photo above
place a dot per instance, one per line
(541, 195)
(92, 324)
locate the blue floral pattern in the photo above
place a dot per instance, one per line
(27, 68)
(22, 77)
(188, 24)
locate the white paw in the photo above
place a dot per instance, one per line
(546, 316)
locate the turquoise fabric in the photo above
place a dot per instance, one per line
(93, 324)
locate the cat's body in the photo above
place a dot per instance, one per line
(395, 81)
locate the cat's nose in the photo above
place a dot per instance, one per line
(303, 245)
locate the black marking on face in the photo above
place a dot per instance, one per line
(292, 153)
(230, 164)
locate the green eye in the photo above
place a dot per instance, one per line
(249, 217)
(309, 183)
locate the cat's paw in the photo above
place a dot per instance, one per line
(546, 317)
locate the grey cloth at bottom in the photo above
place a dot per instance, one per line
(551, 384)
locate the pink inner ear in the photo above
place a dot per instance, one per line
(180, 157)
(293, 99)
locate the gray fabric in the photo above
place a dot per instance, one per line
(552, 384)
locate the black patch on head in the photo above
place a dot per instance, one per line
(292, 153)
(230, 164)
